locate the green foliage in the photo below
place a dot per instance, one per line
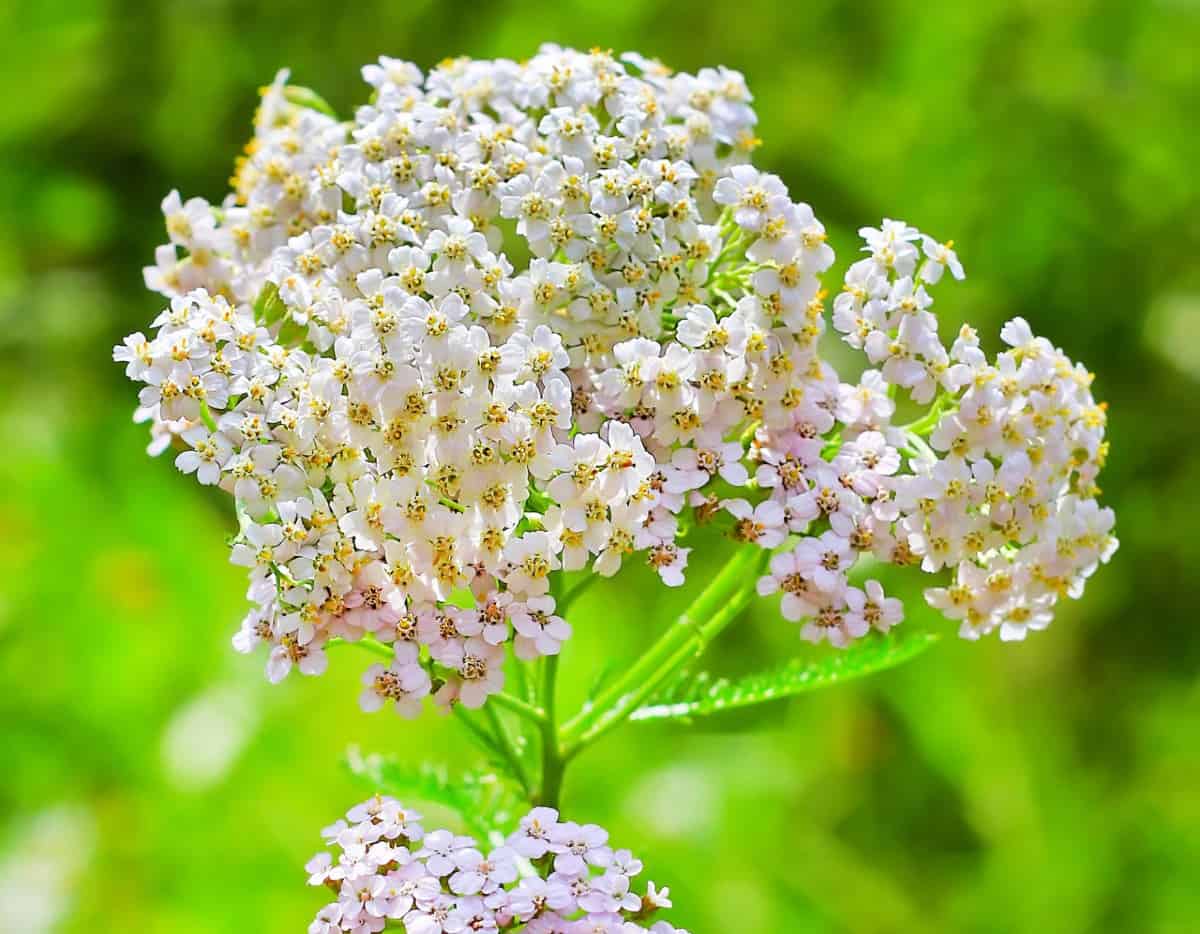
(486, 804)
(269, 307)
(701, 695)
(307, 97)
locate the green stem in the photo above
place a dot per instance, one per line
(680, 660)
(714, 609)
(499, 742)
(521, 683)
(725, 297)
(553, 761)
(369, 645)
(519, 707)
(563, 602)
(507, 748)
(929, 421)
(206, 416)
(737, 240)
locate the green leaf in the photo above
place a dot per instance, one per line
(269, 307)
(294, 334)
(307, 97)
(700, 695)
(486, 803)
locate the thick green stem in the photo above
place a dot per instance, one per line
(686, 654)
(553, 761)
(714, 609)
(563, 602)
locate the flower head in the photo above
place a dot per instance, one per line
(390, 870)
(407, 413)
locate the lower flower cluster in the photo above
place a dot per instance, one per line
(549, 877)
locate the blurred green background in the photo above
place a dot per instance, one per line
(152, 781)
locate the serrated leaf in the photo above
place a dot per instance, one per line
(700, 695)
(487, 804)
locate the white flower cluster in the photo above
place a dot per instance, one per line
(1003, 492)
(549, 877)
(516, 318)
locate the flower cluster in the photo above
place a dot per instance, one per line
(1003, 490)
(517, 318)
(549, 877)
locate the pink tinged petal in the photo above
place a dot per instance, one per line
(672, 575)
(769, 513)
(369, 701)
(738, 508)
(735, 473)
(795, 608)
(278, 665)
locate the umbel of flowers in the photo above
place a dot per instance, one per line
(515, 318)
(548, 877)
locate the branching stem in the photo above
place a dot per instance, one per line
(519, 707)
(714, 609)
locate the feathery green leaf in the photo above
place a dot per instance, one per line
(487, 804)
(699, 695)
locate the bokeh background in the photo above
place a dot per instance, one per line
(151, 781)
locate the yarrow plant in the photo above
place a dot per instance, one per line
(518, 320)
